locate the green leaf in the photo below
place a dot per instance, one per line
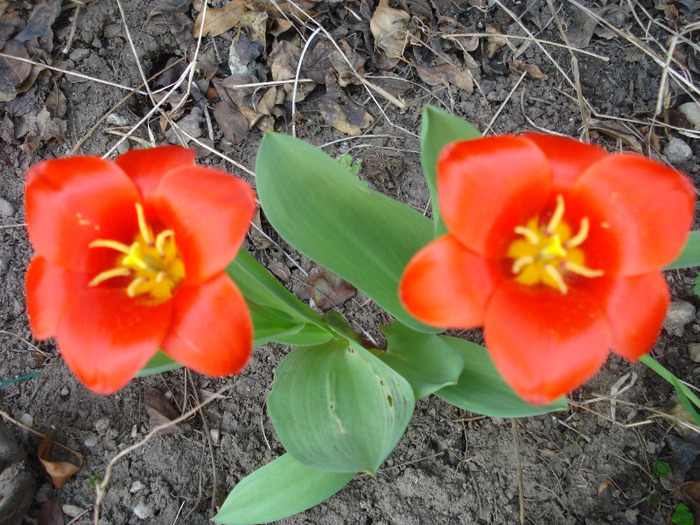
(690, 256)
(331, 217)
(158, 364)
(682, 515)
(437, 130)
(338, 408)
(279, 489)
(259, 286)
(275, 325)
(481, 389)
(424, 360)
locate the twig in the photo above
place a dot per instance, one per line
(296, 80)
(518, 465)
(41, 435)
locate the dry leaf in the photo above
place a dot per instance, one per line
(519, 67)
(13, 72)
(389, 28)
(39, 25)
(261, 241)
(618, 131)
(343, 114)
(280, 270)
(51, 513)
(219, 20)
(161, 411)
(327, 289)
(255, 25)
(59, 471)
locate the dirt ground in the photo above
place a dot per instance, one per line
(590, 466)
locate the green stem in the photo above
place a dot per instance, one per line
(670, 377)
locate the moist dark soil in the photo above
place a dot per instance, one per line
(591, 465)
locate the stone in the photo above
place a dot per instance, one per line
(90, 441)
(102, 425)
(694, 351)
(143, 511)
(6, 209)
(680, 313)
(136, 486)
(677, 151)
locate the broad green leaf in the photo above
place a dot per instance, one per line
(275, 325)
(326, 213)
(338, 408)
(424, 360)
(158, 364)
(690, 256)
(437, 130)
(259, 286)
(482, 390)
(279, 489)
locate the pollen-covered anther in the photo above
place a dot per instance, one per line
(152, 262)
(548, 254)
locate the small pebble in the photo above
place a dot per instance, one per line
(694, 351)
(90, 441)
(215, 435)
(680, 313)
(64, 392)
(102, 425)
(677, 151)
(6, 209)
(136, 486)
(72, 510)
(143, 511)
(27, 419)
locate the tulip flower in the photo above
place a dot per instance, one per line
(555, 248)
(130, 258)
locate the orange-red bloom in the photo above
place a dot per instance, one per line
(554, 247)
(130, 257)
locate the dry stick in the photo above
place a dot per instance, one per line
(73, 27)
(72, 73)
(585, 110)
(111, 110)
(636, 43)
(41, 434)
(503, 104)
(207, 434)
(518, 465)
(102, 485)
(24, 340)
(296, 81)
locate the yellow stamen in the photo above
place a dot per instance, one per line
(143, 226)
(556, 216)
(556, 277)
(581, 236)
(106, 243)
(109, 274)
(131, 290)
(519, 264)
(161, 239)
(531, 236)
(581, 270)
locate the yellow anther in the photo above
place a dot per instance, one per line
(132, 289)
(146, 232)
(106, 243)
(553, 248)
(161, 240)
(581, 236)
(556, 277)
(531, 236)
(581, 270)
(109, 274)
(556, 217)
(519, 264)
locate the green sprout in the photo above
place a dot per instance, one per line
(683, 516)
(654, 499)
(94, 481)
(353, 166)
(660, 469)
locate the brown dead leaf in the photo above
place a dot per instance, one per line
(51, 513)
(343, 68)
(40, 22)
(261, 241)
(283, 61)
(59, 471)
(327, 289)
(585, 26)
(161, 411)
(343, 114)
(620, 132)
(389, 27)
(219, 20)
(13, 72)
(443, 73)
(494, 43)
(56, 103)
(676, 416)
(280, 271)
(519, 67)
(254, 23)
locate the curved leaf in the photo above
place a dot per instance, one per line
(482, 390)
(338, 408)
(326, 213)
(424, 360)
(279, 489)
(158, 364)
(438, 129)
(690, 256)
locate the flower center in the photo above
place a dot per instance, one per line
(548, 254)
(151, 262)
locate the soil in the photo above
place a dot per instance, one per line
(451, 466)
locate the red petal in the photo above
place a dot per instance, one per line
(446, 285)
(568, 158)
(49, 288)
(639, 209)
(210, 212)
(489, 186)
(546, 344)
(71, 202)
(107, 337)
(637, 308)
(212, 332)
(146, 167)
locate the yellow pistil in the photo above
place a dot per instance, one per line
(152, 262)
(548, 254)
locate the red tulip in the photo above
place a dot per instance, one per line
(130, 258)
(555, 248)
